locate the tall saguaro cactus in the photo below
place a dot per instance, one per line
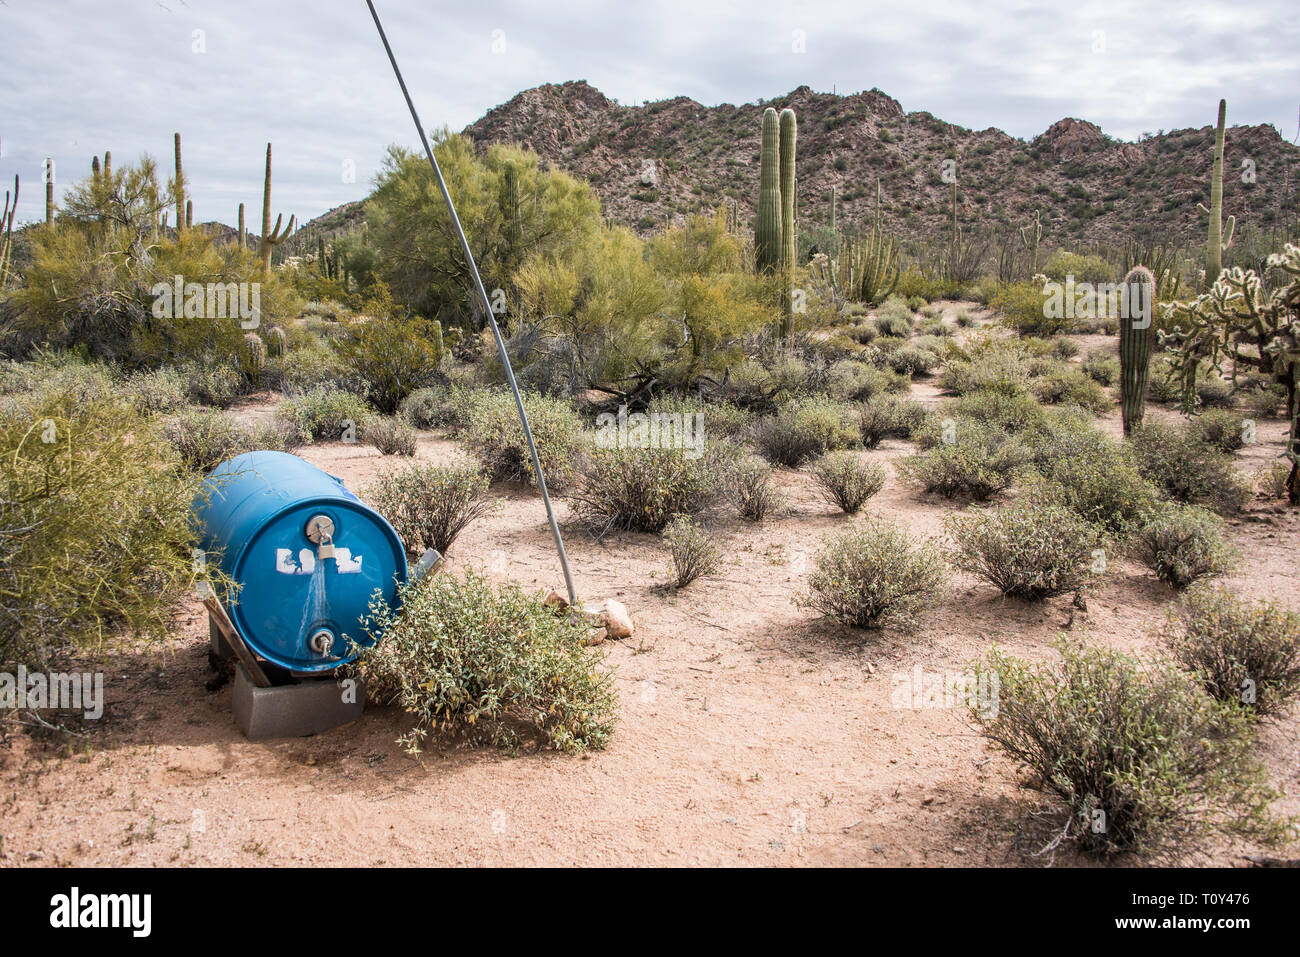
(179, 185)
(49, 189)
(242, 234)
(767, 230)
(270, 237)
(1217, 242)
(789, 241)
(1137, 299)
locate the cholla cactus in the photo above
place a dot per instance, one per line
(252, 356)
(277, 343)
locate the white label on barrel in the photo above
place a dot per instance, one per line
(285, 565)
(346, 564)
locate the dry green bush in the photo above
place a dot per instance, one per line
(847, 482)
(1182, 544)
(694, 554)
(430, 505)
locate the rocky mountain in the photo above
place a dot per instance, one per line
(660, 161)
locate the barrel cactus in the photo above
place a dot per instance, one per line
(1135, 333)
(277, 343)
(252, 355)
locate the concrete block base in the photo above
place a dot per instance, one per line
(296, 708)
(217, 643)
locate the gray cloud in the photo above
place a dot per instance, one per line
(82, 76)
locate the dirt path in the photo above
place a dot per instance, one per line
(750, 732)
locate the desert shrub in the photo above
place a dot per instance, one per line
(1214, 392)
(980, 461)
(642, 489)
(1014, 413)
(217, 385)
(325, 414)
(1064, 348)
(1089, 472)
(851, 379)
(848, 482)
(693, 553)
(1181, 544)
(1101, 368)
(911, 360)
(889, 417)
(426, 408)
(894, 318)
(874, 575)
(1272, 481)
(390, 434)
(964, 318)
(494, 433)
(748, 486)
(94, 525)
(1023, 307)
(1029, 549)
(1083, 267)
(1071, 385)
(1186, 469)
(1163, 385)
(1244, 653)
(490, 662)
(1223, 429)
(392, 357)
(863, 333)
(998, 367)
(720, 419)
(158, 391)
(1263, 403)
(1140, 757)
(310, 368)
(429, 505)
(204, 439)
(806, 428)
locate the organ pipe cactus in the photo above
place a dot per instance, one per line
(767, 229)
(7, 232)
(1030, 235)
(789, 242)
(270, 237)
(868, 266)
(1135, 332)
(1218, 242)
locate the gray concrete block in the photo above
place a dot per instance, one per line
(293, 710)
(217, 643)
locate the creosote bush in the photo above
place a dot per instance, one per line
(847, 482)
(1141, 758)
(875, 574)
(889, 416)
(429, 505)
(492, 662)
(1220, 428)
(980, 461)
(694, 554)
(1089, 472)
(1245, 653)
(204, 439)
(325, 415)
(806, 428)
(1186, 469)
(1182, 544)
(642, 490)
(1028, 549)
(494, 433)
(748, 486)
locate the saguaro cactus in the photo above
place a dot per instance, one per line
(7, 229)
(270, 237)
(189, 213)
(1217, 242)
(1030, 235)
(179, 185)
(789, 241)
(767, 229)
(49, 189)
(1137, 299)
(243, 236)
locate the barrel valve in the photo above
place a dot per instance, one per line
(321, 641)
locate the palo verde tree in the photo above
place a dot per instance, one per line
(1239, 322)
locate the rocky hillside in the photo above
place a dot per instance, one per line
(1086, 185)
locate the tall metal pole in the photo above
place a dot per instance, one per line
(487, 309)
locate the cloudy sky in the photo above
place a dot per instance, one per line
(82, 76)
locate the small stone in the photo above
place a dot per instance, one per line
(617, 621)
(556, 600)
(925, 802)
(596, 637)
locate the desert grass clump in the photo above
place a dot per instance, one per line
(875, 574)
(694, 554)
(642, 490)
(1182, 544)
(806, 428)
(1271, 481)
(1186, 469)
(1141, 758)
(390, 434)
(747, 484)
(1029, 549)
(1245, 654)
(846, 481)
(430, 505)
(493, 663)
(974, 460)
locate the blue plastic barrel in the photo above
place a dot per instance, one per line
(306, 553)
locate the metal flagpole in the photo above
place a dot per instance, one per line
(487, 310)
